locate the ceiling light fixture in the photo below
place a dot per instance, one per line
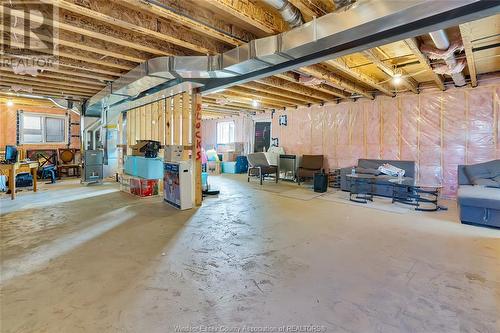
(397, 78)
(255, 103)
(10, 103)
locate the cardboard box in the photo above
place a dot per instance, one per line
(229, 156)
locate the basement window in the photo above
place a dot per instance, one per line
(225, 132)
(36, 128)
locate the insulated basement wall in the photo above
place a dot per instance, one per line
(438, 130)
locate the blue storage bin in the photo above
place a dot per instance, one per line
(228, 167)
(148, 168)
(130, 165)
(204, 179)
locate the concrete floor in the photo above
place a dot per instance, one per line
(97, 260)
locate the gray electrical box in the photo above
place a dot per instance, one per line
(93, 161)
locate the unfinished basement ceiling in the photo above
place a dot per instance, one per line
(100, 40)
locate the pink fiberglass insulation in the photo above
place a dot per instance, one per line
(437, 130)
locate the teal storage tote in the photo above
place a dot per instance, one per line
(204, 180)
(228, 167)
(130, 165)
(149, 168)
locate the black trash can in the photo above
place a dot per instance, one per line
(320, 182)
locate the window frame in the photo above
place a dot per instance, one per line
(230, 140)
(43, 117)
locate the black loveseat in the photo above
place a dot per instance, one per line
(382, 187)
(478, 195)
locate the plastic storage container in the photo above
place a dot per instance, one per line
(228, 167)
(147, 168)
(144, 187)
(204, 180)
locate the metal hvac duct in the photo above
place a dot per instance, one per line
(369, 24)
(442, 42)
(289, 12)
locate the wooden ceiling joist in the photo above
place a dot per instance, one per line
(81, 66)
(31, 84)
(322, 88)
(322, 73)
(238, 100)
(62, 78)
(261, 93)
(249, 98)
(466, 32)
(413, 45)
(48, 92)
(75, 25)
(39, 81)
(139, 22)
(92, 45)
(309, 93)
(182, 19)
(310, 8)
(259, 86)
(251, 14)
(24, 101)
(408, 81)
(339, 65)
(92, 58)
(231, 104)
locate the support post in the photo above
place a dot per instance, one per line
(196, 144)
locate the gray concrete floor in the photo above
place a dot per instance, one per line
(97, 260)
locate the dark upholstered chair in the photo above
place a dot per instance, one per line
(258, 166)
(308, 166)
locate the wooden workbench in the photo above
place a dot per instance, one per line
(12, 172)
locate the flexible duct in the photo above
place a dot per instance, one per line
(442, 42)
(343, 4)
(289, 12)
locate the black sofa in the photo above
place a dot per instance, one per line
(382, 185)
(478, 194)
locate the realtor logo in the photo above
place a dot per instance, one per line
(29, 35)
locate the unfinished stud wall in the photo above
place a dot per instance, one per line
(167, 121)
(438, 130)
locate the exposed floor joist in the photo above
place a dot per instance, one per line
(322, 73)
(38, 80)
(373, 56)
(412, 43)
(182, 19)
(62, 78)
(466, 31)
(358, 75)
(122, 20)
(263, 87)
(262, 94)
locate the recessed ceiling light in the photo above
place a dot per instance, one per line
(255, 103)
(10, 103)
